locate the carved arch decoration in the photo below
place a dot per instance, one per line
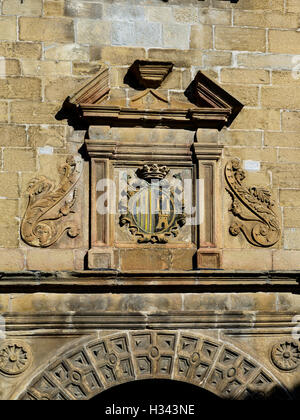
(101, 363)
(253, 206)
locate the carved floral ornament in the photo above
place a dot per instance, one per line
(286, 355)
(151, 210)
(15, 357)
(43, 223)
(253, 207)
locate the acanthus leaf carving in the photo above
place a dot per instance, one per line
(43, 223)
(262, 227)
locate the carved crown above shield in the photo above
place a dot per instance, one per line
(204, 104)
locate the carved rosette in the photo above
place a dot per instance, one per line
(151, 213)
(43, 223)
(15, 357)
(253, 207)
(286, 355)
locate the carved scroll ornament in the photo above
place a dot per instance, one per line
(253, 206)
(43, 222)
(151, 213)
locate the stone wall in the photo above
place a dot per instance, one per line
(48, 48)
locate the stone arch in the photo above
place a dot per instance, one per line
(90, 368)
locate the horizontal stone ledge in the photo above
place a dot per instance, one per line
(181, 281)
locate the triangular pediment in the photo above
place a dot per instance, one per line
(204, 104)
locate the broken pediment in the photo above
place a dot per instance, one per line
(204, 104)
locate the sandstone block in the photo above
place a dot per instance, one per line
(3, 112)
(266, 61)
(289, 155)
(9, 224)
(67, 52)
(291, 217)
(46, 68)
(214, 16)
(159, 14)
(245, 76)
(10, 67)
(145, 259)
(201, 37)
(257, 119)
(19, 160)
(20, 50)
(81, 9)
(20, 88)
(240, 138)
(26, 112)
(116, 55)
(261, 5)
(15, 7)
(13, 136)
(240, 39)
(247, 95)
(265, 19)
(293, 6)
(181, 58)
(126, 13)
(212, 59)
(286, 260)
(50, 260)
(89, 33)
(291, 238)
(185, 14)
(176, 36)
(182, 259)
(290, 121)
(149, 34)
(59, 88)
(284, 42)
(46, 29)
(11, 260)
(8, 28)
(281, 97)
(53, 8)
(86, 69)
(276, 139)
(43, 135)
(289, 198)
(253, 259)
(9, 185)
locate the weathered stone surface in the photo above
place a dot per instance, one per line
(15, 7)
(50, 260)
(11, 260)
(9, 185)
(46, 29)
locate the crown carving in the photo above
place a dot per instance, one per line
(149, 172)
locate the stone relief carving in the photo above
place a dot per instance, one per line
(253, 206)
(89, 369)
(15, 357)
(43, 223)
(286, 355)
(151, 210)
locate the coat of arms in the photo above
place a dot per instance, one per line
(154, 207)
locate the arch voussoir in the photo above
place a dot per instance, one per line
(99, 364)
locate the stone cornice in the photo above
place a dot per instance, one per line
(109, 281)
